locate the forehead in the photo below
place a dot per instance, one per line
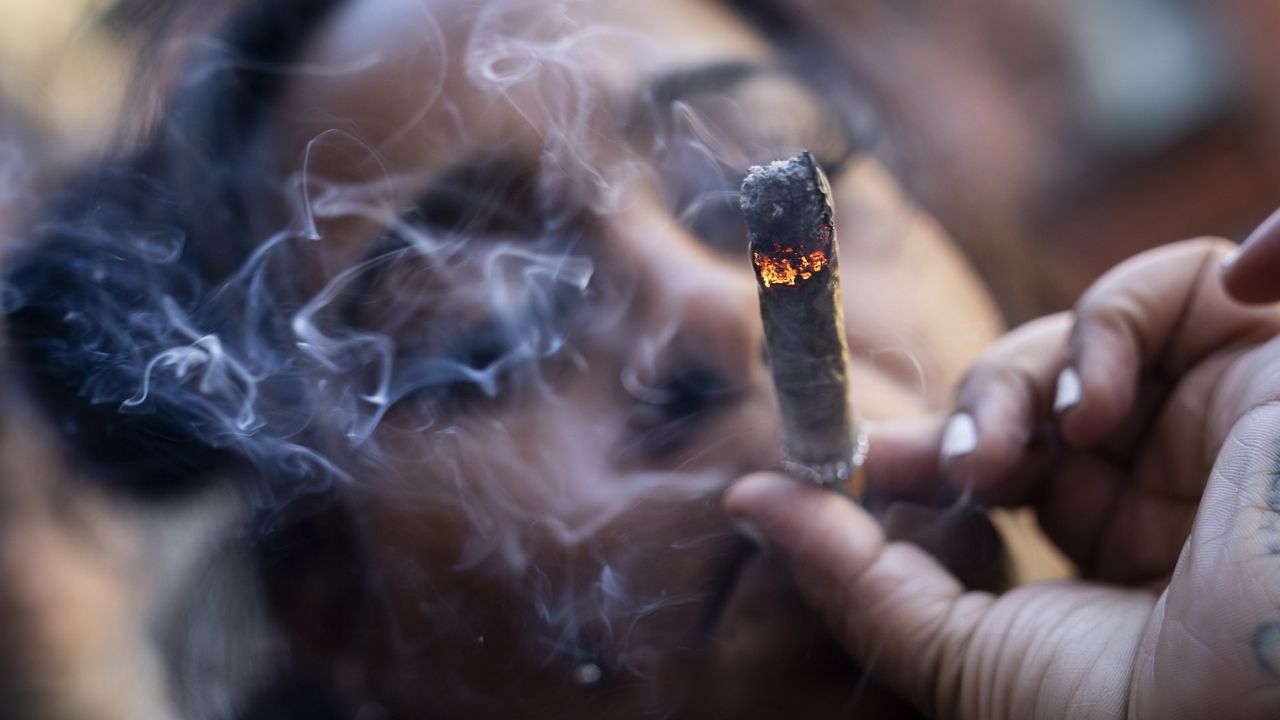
(392, 93)
(420, 83)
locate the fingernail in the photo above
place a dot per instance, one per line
(1268, 228)
(752, 532)
(1069, 390)
(1230, 258)
(960, 436)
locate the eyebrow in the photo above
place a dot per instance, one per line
(487, 181)
(724, 77)
(488, 185)
(685, 83)
(699, 80)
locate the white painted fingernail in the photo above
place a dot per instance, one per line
(1069, 390)
(752, 532)
(960, 436)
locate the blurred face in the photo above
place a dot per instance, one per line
(544, 200)
(535, 333)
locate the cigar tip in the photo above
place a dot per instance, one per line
(790, 226)
(788, 197)
(797, 176)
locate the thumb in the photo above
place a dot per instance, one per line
(895, 608)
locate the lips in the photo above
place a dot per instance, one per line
(753, 600)
(742, 556)
(766, 654)
(760, 595)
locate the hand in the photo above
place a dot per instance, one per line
(1252, 274)
(1145, 431)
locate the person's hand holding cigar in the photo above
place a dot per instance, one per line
(1144, 429)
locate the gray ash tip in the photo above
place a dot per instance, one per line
(786, 199)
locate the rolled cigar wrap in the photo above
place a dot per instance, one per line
(792, 235)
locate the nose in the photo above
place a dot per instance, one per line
(693, 305)
(694, 355)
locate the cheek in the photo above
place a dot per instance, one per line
(915, 309)
(558, 473)
(885, 384)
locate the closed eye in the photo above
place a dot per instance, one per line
(487, 195)
(475, 320)
(489, 362)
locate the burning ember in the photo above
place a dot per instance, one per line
(804, 323)
(786, 265)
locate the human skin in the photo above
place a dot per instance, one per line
(1154, 469)
(1252, 273)
(567, 526)
(518, 202)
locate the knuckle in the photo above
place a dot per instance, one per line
(1115, 317)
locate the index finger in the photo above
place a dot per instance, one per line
(1161, 311)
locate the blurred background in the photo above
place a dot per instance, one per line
(1054, 138)
(1051, 137)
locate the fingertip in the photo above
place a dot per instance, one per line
(793, 516)
(959, 437)
(903, 456)
(987, 441)
(1001, 404)
(1249, 272)
(962, 464)
(1229, 259)
(1096, 388)
(1068, 391)
(760, 497)
(1068, 395)
(1267, 231)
